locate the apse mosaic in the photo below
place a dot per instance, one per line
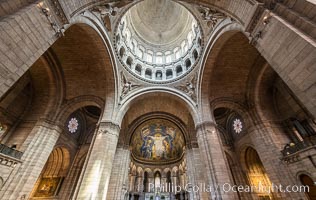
(158, 140)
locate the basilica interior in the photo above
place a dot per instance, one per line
(158, 100)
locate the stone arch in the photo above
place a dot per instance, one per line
(307, 180)
(94, 28)
(56, 169)
(134, 170)
(256, 172)
(233, 105)
(213, 47)
(140, 171)
(175, 171)
(150, 95)
(79, 102)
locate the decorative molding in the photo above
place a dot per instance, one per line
(108, 128)
(55, 22)
(126, 86)
(189, 88)
(8, 161)
(203, 125)
(255, 19)
(59, 12)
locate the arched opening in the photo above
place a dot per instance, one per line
(122, 52)
(157, 181)
(148, 74)
(308, 181)
(179, 70)
(138, 69)
(169, 74)
(187, 64)
(158, 75)
(195, 54)
(157, 138)
(145, 182)
(53, 174)
(256, 173)
(129, 62)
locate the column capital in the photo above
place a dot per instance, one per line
(43, 122)
(108, 127)
(205, 124)
(206, 127)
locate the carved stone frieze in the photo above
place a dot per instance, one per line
(189, 88)
(126, 86)
(109, 10)
(211, 16)
(108, 128)
(59, 12)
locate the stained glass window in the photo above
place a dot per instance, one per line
(73, 125)
(237, 125)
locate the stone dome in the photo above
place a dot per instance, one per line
(158, 40)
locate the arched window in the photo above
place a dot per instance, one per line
(169, 180)
(122, 52)
(145, 182)
(53, 174)
(188, 64)
(129, 62)
(179, 70)
(148, 73)
(157, 181)
(195, 54)
(169, 74)
(307, 181)
(257, 173)
(118, 38)
(138, 69)
(158, 75)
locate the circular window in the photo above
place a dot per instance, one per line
(154, 38)
(73, 125)
(237, 125)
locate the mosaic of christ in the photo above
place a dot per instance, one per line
(158, 140)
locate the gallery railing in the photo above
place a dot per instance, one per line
(10, 151)
(298, 146)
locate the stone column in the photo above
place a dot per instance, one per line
(216, 171)
(151, 184)
(95, 177)
(139, 186)
(39, 144)
(278, 172)
(119, 176)
(131, 183)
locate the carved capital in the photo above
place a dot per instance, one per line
(108, 128)
(126, 86)
(189, 88)
(211, 16)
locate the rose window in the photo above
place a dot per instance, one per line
(73, 125)
(237, 125)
